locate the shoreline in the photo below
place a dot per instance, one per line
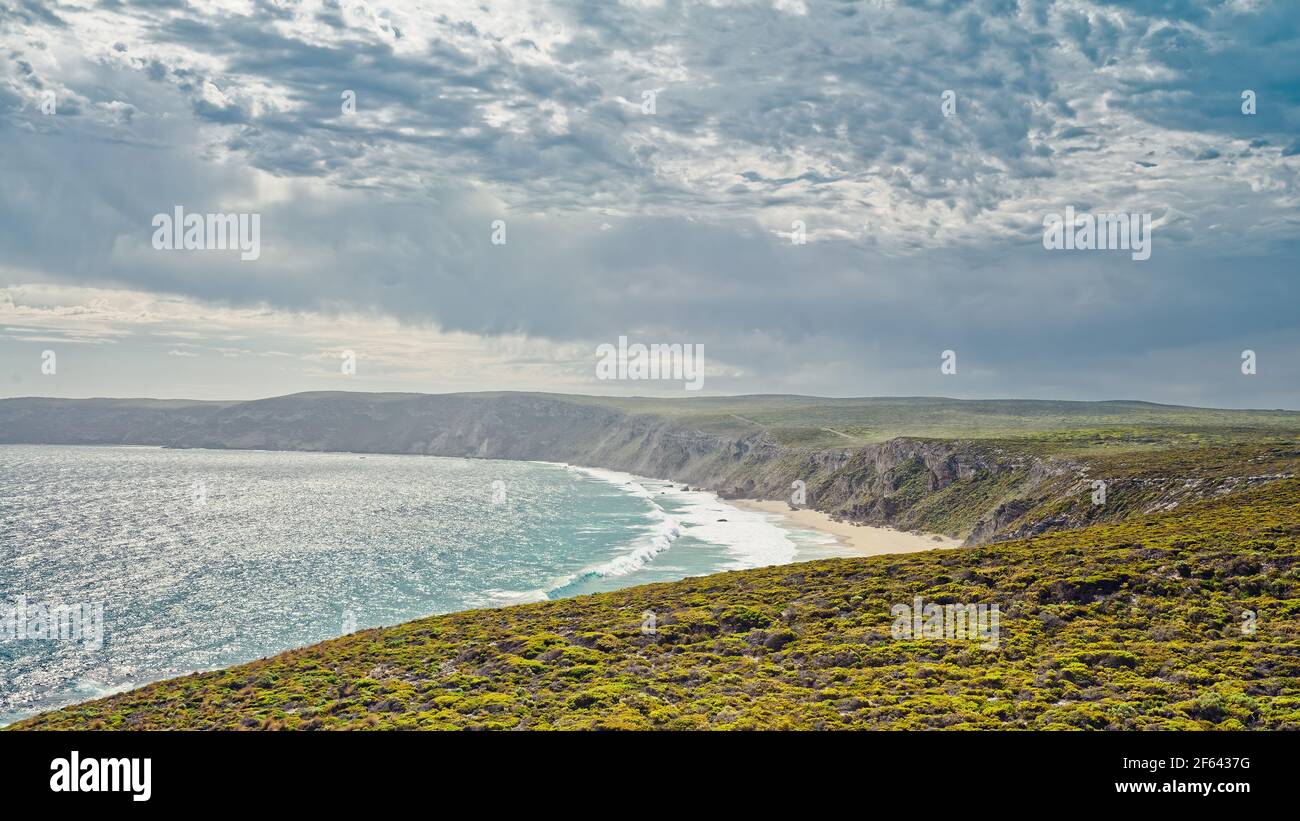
(842, 540)
(853, 539)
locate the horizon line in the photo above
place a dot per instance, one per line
(669, 398)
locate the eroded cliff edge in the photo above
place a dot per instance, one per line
(977, 490)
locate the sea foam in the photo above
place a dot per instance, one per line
(751, 539)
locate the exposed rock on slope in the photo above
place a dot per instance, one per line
(971, 489)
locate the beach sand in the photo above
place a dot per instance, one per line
(855, 540)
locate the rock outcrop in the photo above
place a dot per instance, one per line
(970, 489)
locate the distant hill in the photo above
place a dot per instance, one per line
(980, 469)
(321, 420)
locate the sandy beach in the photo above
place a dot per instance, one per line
(855, 540)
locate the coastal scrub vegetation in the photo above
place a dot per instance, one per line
(1182, 619)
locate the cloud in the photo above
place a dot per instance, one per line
(923, 229)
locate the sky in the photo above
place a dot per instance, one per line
(826, 196)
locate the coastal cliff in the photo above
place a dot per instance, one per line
(980, 489)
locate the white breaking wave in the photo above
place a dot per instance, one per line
(664, 530)
(750, 538)
(505, 598)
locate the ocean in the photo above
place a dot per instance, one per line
(190, 560)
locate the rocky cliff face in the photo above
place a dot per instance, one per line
(1068, 502)
(964, 489)
(881, 484)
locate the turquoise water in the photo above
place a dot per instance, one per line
(202, 559)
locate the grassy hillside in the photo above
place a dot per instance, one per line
(1133, 624)
(1040, 425)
